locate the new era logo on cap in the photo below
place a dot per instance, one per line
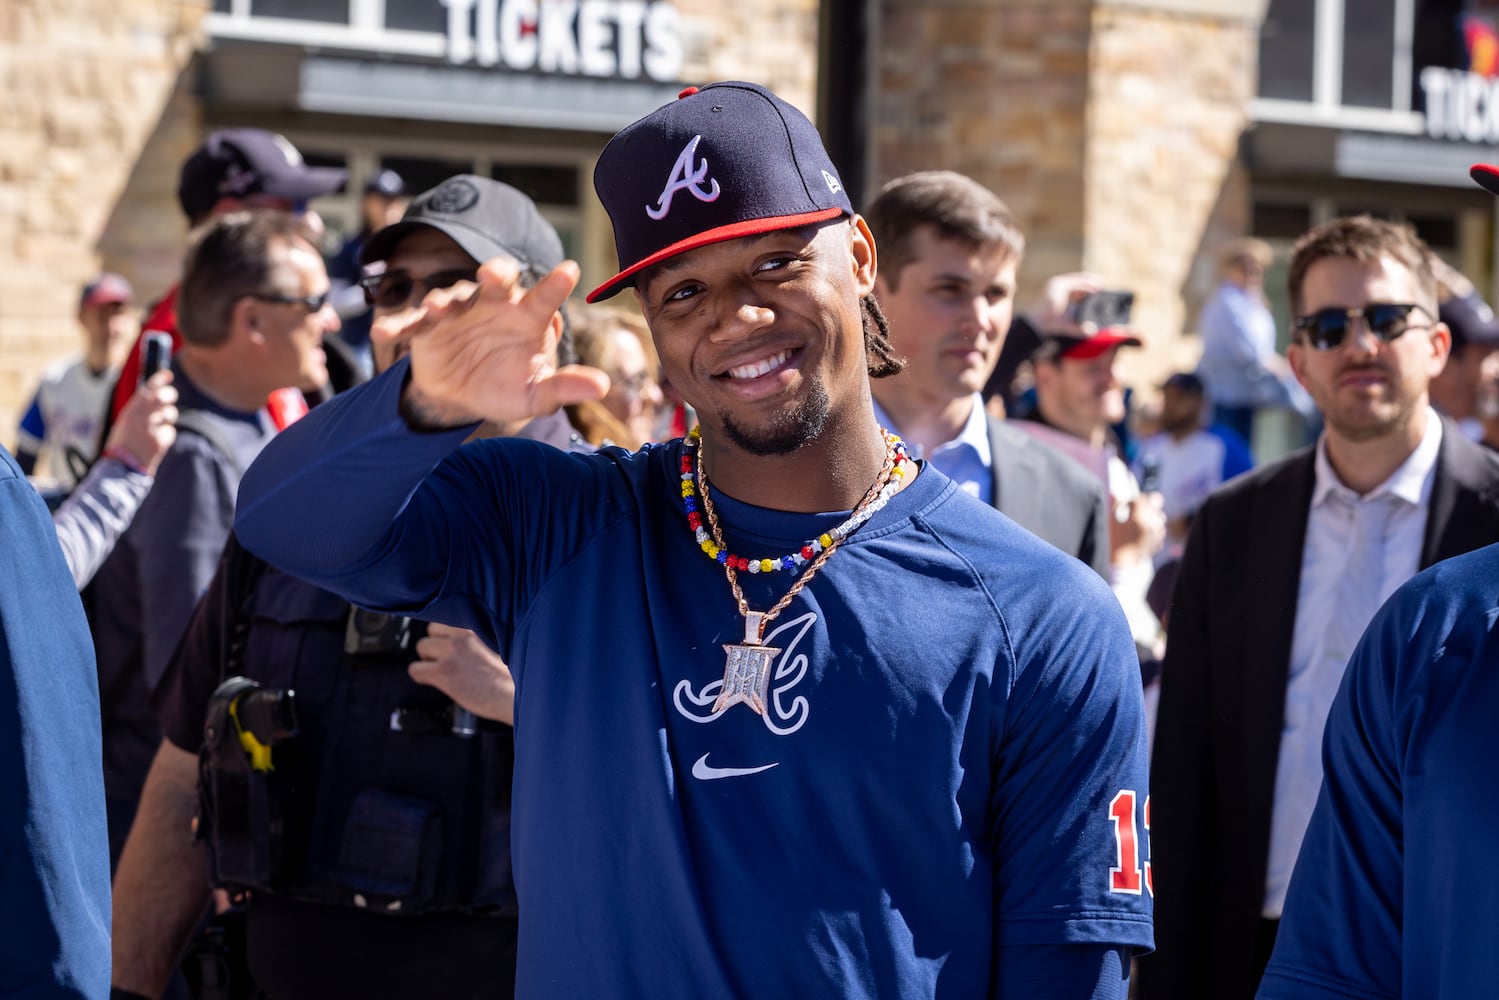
(727, 161)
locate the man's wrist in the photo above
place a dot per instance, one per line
(121, 454)
(421, 417)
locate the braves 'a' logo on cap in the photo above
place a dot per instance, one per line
(685, 178)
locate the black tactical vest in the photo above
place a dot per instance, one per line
(381, 799)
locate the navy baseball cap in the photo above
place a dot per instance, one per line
(719, 163)
(486, 217)
(238, 162)
(1470, 321)
(387, 183)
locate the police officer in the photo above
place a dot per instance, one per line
(355, 779)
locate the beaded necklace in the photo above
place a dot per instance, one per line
(747, 674)
(713, 545)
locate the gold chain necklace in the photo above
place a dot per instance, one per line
(747, 674)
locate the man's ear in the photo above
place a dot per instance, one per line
(246, 317)
(865, 258)
(1296, 358)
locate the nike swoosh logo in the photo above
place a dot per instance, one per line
(705, 772)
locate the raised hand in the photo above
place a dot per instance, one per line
(486, 350)
(147, 425)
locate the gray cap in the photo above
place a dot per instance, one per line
(485, 217)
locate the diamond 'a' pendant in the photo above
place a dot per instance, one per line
(746, 678)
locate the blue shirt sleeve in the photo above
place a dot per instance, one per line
(54, 852)
(1070, 804)
(1340, 934)
(33, 432)
(1062, 972)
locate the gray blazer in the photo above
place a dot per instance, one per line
(1049, 495)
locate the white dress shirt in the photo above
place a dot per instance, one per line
(1316, 670)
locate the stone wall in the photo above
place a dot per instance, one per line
(996, 90)
(1110, 128)
(773, 43)
(84, 86)
(1167, 102)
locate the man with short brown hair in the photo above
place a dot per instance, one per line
(253, 312)
(949, 250)
(1282, 571)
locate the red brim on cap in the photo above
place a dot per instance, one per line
(1103, 340)
(749, 227)
(1486, 176)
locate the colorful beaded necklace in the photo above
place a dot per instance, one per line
(747, 674)
(709, 540)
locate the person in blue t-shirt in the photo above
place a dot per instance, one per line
(809, 719)
(54, 844)
(1393, 892)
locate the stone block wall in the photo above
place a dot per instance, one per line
(996, 90)
(1110, 128)
(773, 43)
(83, 88)
(1168, 100)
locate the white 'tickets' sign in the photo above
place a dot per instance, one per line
(599, 38)
(1460, 105)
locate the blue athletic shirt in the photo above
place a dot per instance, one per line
(953, 760)
(1395, 893)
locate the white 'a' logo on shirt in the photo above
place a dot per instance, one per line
(685, 178)
(786, 710)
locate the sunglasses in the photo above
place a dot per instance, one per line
(394, 289)
(312, 303)
(1325, 329)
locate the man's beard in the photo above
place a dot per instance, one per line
(786, 432)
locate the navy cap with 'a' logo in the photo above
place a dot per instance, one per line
(726, 161)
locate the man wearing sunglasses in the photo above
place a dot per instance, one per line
(1282, 571)
(233, 170)
(253, 311)
(453, 934)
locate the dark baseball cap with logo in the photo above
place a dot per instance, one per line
(722, 162)
(486, 217)
(240, 162)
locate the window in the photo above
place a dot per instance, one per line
(422, 174)
(1287, 44)
(1369, 53)
(326, 11)
(1272, 221)
(545, 184)
(416, 15)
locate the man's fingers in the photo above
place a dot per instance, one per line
(568, 385)
(548, 294)
(499, 275)
(433, 647)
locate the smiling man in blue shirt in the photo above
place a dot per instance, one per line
(900, 751)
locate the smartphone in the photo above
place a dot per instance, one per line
(1150, 474)
(1103, 309)
(156, 353)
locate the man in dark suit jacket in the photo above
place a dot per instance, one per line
(948, 254)
(1276, 584)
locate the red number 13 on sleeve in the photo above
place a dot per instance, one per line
(1126, 876)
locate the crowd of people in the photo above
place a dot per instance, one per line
(371, 646)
